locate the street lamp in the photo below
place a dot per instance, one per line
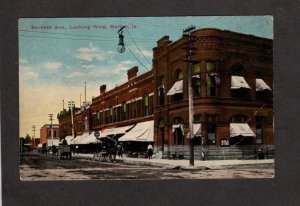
(121, 46)
(71, 104)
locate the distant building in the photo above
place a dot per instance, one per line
(45, 133)
(232, 81)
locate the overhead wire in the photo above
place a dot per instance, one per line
(138, 47)
(136, 57)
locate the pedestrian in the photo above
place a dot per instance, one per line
(120, 150)
(150, 151)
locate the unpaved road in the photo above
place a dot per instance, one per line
(38, 167)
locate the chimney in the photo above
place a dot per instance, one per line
(132, 72)
(102, 89)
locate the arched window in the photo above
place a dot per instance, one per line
(124, 110)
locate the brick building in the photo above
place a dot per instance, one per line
(45, 133)
(232, 79)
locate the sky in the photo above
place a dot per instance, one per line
(58, 55)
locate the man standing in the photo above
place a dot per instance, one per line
(150, 151)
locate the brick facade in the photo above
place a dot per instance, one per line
(45, 133)
(219, 55)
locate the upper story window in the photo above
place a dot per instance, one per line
(124, 110)
(237, 70)
(110, 115)
(259, 73)
(178, 96)
(211, 87)
(115, 114)
(239, 118)
(179, 74)
(146, 104)
(161, 91)
(196, 83)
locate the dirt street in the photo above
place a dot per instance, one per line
(34, 166)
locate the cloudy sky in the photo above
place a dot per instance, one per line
(57, 55)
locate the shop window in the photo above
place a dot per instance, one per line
(146, 104)
(259, 129)
(211, 129)
(259, 134)
(124, 111)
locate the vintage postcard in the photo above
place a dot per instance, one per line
(120, 98)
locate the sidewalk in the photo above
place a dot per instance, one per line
(198, 164)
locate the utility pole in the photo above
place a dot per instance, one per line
(71, 104)
(85, 93)
(190, 51)
(63, 105)
(51, 129)
(33, 129)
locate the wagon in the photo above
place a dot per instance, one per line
(64, 152)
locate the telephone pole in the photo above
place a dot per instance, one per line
(51, 129)
(190, 51)
(71, 104)
(33, 129)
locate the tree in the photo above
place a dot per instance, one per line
(27, 139)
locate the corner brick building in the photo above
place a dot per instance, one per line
(232, 80)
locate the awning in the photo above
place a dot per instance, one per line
(69, 139)
(87, 139)
(115, 131)
(196, 130)
(241, 129)
(176, 88)
(175, 126)
(142, 132)
(77, 139)
(238, 82)
(261, 85)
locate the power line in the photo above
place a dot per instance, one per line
(136, 57)
(93, 36)
(138, 47)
